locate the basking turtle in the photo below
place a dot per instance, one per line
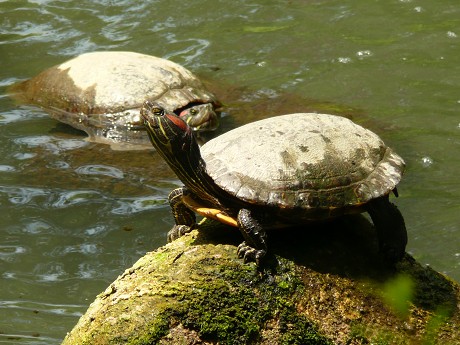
(101, 93)
(281, 171)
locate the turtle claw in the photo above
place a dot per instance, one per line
(178, 231)
(250, 254)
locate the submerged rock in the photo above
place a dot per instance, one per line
(101, 93)
(327, 288)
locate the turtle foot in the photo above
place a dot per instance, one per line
(249, 254)
(178, 231)
(391, 229)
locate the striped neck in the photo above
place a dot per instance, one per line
(175, 141)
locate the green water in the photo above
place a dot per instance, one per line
(74, 215)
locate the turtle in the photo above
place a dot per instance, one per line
(102, 92)
(278, 172)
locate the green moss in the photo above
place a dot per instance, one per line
(235, 307)
(155, 332)
(434, 325)
(296, 329)
(238, 320)
(161, 257)
(240, 315)
(361, 334)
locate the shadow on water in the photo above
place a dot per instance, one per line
(347, 247)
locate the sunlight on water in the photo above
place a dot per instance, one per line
(96, 169)
(20, 114)
(67, 199)
(53, 145)
(21, 195)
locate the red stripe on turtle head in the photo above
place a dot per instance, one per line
(181, 124)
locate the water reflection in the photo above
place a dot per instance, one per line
(99, 169)
(54, 145)
(8, 251)
(21, 195)
(7, 168)
(22, 113)
(139, 204)
(58, 309)
(70, 198)
(36, 226)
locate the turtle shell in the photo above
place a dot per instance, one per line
(101, 93)
(305, 160)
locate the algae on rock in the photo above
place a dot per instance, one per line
(327, 288)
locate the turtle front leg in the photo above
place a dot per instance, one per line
(185, 218)
(390, 227)
(254, 247)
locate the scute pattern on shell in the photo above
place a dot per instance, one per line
(304, 160)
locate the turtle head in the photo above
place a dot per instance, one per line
(172, 137)
(200, 117)
(175, 141)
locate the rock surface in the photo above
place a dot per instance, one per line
(326, 287)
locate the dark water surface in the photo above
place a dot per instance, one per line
(74, 214)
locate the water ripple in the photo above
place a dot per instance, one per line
(7, 168)
(21, 114)
(50, 272)
(189, 50)
(54, 145)
(34, 339)
(8, 251)
(70, 198)
(22, 195)
(96, 230)
(24, 155)
(128, 206)
(9, 82)
(84, 248)
(36, 227)
(81, 46)
(50, 29)
(85, 271)
(99, 169)
(29, 32)
(58, 309)
(61, 165)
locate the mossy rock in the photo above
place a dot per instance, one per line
(320, 290)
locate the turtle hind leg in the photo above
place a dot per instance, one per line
(254, 247)
(390, 227)
(185, 218)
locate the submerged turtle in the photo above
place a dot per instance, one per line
(281, 171)
(101, 93)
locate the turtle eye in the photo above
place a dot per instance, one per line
(157, 111)
(193, 112)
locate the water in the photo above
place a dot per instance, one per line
(74, 214)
